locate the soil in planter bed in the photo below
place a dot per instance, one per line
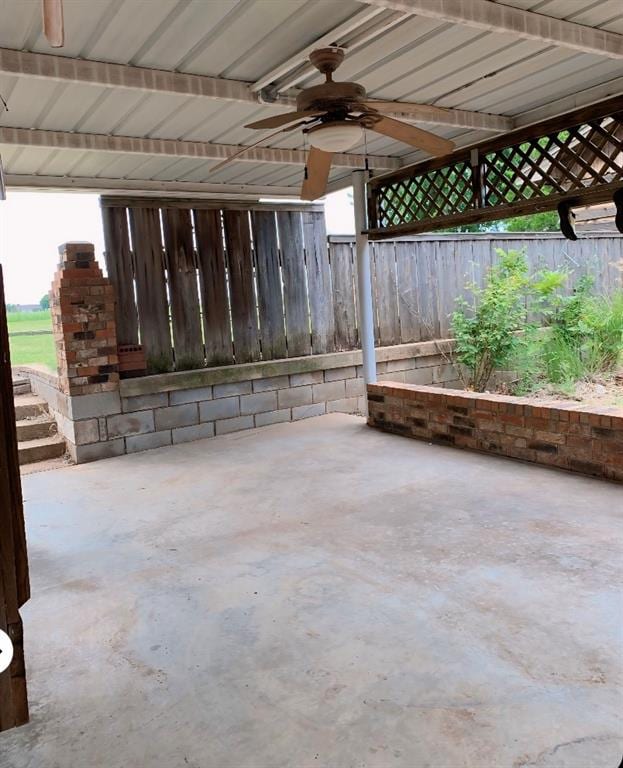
(605, 392)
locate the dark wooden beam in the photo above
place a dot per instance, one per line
(14, 581)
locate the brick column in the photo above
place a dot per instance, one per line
(83, 321)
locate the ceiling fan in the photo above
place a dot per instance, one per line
(333, 116)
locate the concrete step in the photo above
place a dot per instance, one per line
(44, 466)
(29, 406)
(40, 449)
(32, 429)
(21, 386)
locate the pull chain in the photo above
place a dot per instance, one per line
(305, 173)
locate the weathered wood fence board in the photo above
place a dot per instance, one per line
(408, 293)
(120, 270)
(183, 293)
(240, 284)
(243, 309)
(294, 284)
(319, 289)
(151, 290)
(429, 312)
(213, 281)
(384, 291)
(269, 293)
(344, 306)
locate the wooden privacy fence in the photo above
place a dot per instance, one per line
(417, 280)
(200, 284)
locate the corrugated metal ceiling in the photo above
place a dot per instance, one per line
(418, 59)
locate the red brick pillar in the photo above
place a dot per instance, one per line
(83, 321)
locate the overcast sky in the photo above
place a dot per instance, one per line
(34, 224)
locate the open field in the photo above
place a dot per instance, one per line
(30, 321)
(37, 348)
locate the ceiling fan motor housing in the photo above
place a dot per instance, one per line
(327, 60)
(331, 96)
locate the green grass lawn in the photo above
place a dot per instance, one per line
(30, 321)
(38, 349)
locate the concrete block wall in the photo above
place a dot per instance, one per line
(155, 419)
(154, 411)
(100, 416)
(566, 435)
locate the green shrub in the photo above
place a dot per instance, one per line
(527, 324)
(485, 330)
(607, 324)
(584, 340)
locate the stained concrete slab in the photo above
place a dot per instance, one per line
(320, 594)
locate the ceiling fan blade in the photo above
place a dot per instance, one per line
(278, 120)
(247, 147)
(53, 26)
(317, 174)
(416, 137)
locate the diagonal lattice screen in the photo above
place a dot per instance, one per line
(438, 192)
(576, 161)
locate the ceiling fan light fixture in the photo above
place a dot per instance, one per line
(337, 136)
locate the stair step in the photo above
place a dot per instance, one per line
(32, 429)
(44, 466)
(29, 406)
(40, 449)
(21, 386)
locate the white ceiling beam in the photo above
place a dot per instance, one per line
(69, 70)
(85, 71)
(140, 187)
(330, 38)
(89, 142)
(457, 118)
(494, 17)
(576, 100)
(351, 37)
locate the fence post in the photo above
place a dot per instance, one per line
(364, 282)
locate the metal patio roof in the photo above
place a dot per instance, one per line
(77, 119)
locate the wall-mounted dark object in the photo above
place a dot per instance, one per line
(618, 201)
(567, 220)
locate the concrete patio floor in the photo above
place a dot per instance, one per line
(320, 594)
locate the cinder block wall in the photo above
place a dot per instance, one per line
(153, 411)
(100, 416)
(560, 434)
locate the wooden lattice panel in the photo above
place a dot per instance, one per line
(578, 158)
(438, 192)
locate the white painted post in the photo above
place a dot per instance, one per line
(364, 282)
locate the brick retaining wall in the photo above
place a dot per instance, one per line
(555, 433)
(82, 306)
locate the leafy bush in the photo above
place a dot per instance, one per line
(525, 323)
(485, 331)
(585, 338)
